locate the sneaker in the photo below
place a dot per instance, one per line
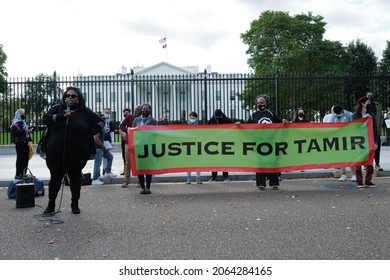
(212, 180)
(353, 178)
(188, 182)
(343, 178)
(199, 182)
(108, 175)
(97, 182)
(378, 168)
(370, 185)
(261, 187)
(275, 187)
(360, 185)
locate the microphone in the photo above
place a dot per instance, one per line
(68, 108)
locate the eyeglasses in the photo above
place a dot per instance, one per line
(71, 95)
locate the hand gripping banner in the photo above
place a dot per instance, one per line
(250, 147)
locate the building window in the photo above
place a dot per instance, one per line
(98, 97)
(127, 97)
(232, 95)
(149, 97)
(218, 95)
(113, 97)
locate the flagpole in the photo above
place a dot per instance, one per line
(164, 44)
(166, 53)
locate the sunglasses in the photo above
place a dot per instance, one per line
(71, 95)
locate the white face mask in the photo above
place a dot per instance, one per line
(192, 120)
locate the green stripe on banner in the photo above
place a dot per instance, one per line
(250, 147)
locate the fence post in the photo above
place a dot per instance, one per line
(277, 91)
(132, 90)
(205, 96)
(55, 84)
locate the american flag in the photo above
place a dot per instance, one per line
(163, 40)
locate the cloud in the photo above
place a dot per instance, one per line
(98, 36)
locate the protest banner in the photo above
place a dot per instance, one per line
(250, 147)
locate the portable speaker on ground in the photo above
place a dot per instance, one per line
(25, 195)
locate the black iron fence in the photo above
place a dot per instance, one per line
(173, 97)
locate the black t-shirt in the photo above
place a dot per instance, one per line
(264, 117)
(108, 128)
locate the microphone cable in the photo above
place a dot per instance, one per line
(63, 160)
(47, 217)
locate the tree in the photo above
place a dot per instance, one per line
(281, 45)
(384, 64)
(3, 71)
(41, 93)
(291, 44)
(3, 88)
(361, 67)
(3, 59)
(384, 71)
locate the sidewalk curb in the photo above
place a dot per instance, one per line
(172, 178)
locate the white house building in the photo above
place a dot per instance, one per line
(173, 92)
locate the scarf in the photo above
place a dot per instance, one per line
(18, 119)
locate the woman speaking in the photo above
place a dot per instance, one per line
(70, 143)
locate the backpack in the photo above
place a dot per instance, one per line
(27, 178)
(42, 144)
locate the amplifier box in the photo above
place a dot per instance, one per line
(25, 195)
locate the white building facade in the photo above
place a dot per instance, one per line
(173, 92)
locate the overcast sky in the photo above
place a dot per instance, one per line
(96, 37)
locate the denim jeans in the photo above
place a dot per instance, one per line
(189, 177)
(100, 154)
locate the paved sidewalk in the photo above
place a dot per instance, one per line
(39, 169)
(316, 219)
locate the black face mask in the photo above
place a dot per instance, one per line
(261, 107)
(145, 114)
(301, 115)
(23, 117)
(368, 107)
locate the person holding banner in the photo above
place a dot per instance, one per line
(219, 118)
(362, 111)
(193, 120)
(123, 126)
(263, 115)
(300, 116)
(327, 117)
(125, 112)
(145, 119)
(342, 115)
